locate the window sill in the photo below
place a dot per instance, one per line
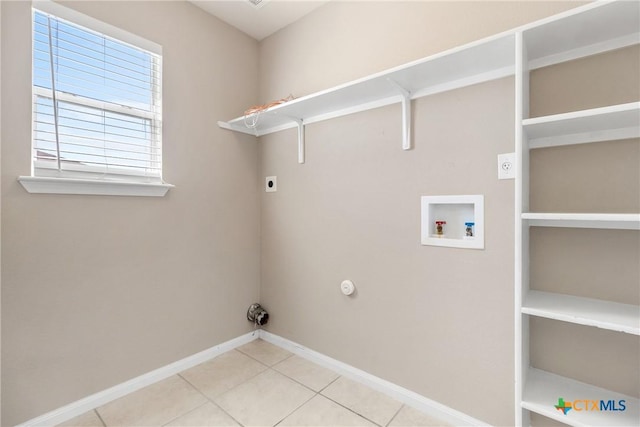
(46, 185)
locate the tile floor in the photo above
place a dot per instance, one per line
(258, 384)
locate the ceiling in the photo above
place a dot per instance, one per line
(259, 21)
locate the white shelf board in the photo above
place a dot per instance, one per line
(476, 62)
(583, 311)
(542, 390)
(578, 32)
(594, 125)
(583, 220)
(595, 28)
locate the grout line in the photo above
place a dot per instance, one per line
(188, 412)
(300, 406)
(346, 407)
(179, 374)
(298, 382)
(352, 411)
(327, 397)
(280, 361)
(271, 367)
(395, 415)
(196, 390)
(260, 361)
(226, 391)
(210, 400)
(251, 357)
(331, 382)
(99, 417)
(293, 379)
(228, 414)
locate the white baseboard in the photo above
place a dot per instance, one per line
(428, 406)
(408, 397)
(96, 400)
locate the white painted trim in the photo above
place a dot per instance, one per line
(71, 15)
(96, 400)
(521, 109)
(404, 395)
(48, 185)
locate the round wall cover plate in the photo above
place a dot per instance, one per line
(347, 287)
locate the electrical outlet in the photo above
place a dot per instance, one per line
(507, 166)
(271, 184)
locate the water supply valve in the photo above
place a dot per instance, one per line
(468, 232)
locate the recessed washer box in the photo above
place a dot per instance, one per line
(462, 215)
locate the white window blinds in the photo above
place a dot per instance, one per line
(96, 105)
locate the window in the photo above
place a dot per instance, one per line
(97, 115)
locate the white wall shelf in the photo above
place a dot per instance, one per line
(583, 220)
(456, 211)
(477, 62)
(594, 125)
(583, 311)
(542, 390)
(576, 33)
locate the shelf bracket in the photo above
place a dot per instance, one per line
(406, 114)
(300, 140)
(300, 123)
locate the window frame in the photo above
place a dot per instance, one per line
(45, 176)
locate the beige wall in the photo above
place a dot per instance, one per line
(346, 40)
(438, 321)
(97, 290)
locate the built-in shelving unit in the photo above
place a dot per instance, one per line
(585, 31)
